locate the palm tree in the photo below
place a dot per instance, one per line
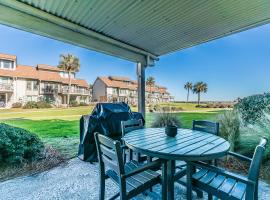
(198, 88)
(150, 82)
(70, 64)
(188, 86)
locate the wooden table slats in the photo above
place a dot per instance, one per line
(186, 145)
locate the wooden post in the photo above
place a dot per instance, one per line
(141, 88)
(6, 101)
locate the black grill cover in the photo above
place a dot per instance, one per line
(106, 119)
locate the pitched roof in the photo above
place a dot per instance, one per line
(132, 85)
(29, 72)
(8, 57)
(48, 67)
(80, 82)
(119, 78)
(118, 84)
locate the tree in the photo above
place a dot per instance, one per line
(188, 86)
(150, 82)
(70, 64)
(198, 88)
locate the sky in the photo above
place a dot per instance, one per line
(233, 66)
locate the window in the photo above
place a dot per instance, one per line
(6, 64)
(32, 85)
(35, 85)
(123, 91)
(29, 85)
(114, 91)
(5, 80)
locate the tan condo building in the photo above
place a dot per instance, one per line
(20, 83)
(114, 88)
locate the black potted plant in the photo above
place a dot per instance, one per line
(171, 130)
(169, 121)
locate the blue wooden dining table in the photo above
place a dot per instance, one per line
(188, 145)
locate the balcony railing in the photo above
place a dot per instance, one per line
(49, 90)
(6, 87)
(64, 90)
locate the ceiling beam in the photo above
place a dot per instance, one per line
(22, 16)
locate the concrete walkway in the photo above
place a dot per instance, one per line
(75, 180)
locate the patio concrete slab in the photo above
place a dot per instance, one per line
(76, 180)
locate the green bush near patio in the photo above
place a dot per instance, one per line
(18, 145)
(250, 135)
(252, 108)
(229, 123)
(165, 119)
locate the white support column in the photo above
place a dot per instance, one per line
(141, 88)
(6, 100)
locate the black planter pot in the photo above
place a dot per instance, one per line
(171, 130)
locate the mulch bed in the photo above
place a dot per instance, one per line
(50, 158)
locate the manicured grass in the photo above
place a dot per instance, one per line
(186, 118)
(190, 107)
(60, 127)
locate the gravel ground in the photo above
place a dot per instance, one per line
(76, 180)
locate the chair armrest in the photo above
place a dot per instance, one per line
(124, 147)
(240, 157)
(145, 167)
(223, 172)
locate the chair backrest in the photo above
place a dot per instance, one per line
(206, 126)
(109, 153)
(131, 125)
(254, 169)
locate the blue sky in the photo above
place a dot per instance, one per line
(234, 66)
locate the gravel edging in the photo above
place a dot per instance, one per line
(76, 180)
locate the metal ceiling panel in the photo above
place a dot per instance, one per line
(160, 26)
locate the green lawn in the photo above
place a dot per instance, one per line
(60, 127)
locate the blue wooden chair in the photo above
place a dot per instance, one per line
(199, 125)
(227, 185)
(132, 178)
(206, 126)
(128, 126)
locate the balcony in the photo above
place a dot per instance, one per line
(6, 87)
(49, 90)
(76, 91)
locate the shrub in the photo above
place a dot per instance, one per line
(17, 105)
(39, 104)
(166, 109)
(73, 103)
(18, 145)
(43, 104)
(30, 105)
(165, 119)
(250, 135)
(229, 127)
(156, 107)
(201, 106)
(83, 104)
(251, 108)
(176, 109)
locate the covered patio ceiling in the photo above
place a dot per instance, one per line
(137, 30)
(134, 29)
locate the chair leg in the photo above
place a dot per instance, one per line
(198, 192)
(102, 187)
(164, 181)
(210, 196)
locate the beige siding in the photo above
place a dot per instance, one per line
(99, 90)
